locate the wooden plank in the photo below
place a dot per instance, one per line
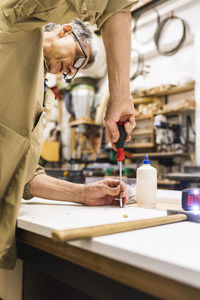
(143, 117)
(146, 100)
(140, 145)
(175, 111)
(159, 91)
(99, 230)
(81, 121)
(143, 131)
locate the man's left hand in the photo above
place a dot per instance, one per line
(105, 192)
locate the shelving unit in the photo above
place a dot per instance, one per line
(81, 141)
(165, 90)
(143, 137)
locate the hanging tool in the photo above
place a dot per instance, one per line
(120, 151)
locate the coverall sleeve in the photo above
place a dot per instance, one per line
(31, 14)
(26, 194)
(99, 11)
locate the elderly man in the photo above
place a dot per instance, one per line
(23, 103)
(67, 48)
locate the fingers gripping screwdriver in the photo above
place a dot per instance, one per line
(120, 151)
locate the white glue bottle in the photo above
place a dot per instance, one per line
(146, 184)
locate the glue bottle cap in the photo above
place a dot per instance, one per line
(146, 161)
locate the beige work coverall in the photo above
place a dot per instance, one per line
(22, 94)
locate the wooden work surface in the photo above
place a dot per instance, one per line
(158, 260)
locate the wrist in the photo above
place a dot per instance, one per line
(75, 192)
(119, 89)
(121, 98)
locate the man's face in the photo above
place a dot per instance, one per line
(63, 52)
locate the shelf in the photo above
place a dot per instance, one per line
(167, 182)
(174, 111)
(159, 155)
(193, 178)
(167, 112)
(143, 132)
(168, 90)
(82, 121)
(139, 145)
(143, 117)
(145, 100)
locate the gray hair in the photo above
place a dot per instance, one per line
(83, 33)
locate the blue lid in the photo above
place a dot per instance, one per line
(146, 161)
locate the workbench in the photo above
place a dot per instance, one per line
(160, 262)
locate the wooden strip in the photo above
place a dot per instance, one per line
(93, 231)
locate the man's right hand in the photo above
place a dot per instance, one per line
(119, 110)
(116, 33)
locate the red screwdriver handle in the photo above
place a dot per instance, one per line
(121, 141)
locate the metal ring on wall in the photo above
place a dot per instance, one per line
(140, 64)
(159, 32)
(136, 27)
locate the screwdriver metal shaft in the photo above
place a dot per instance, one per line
(120, 180)
(120, 152)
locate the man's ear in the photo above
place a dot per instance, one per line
(64, 30)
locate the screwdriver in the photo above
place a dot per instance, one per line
(120, 151)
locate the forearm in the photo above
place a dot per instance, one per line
(47, 187)
(116, 33)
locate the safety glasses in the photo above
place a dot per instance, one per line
(79, 61)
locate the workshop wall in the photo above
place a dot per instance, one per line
(177, 68)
